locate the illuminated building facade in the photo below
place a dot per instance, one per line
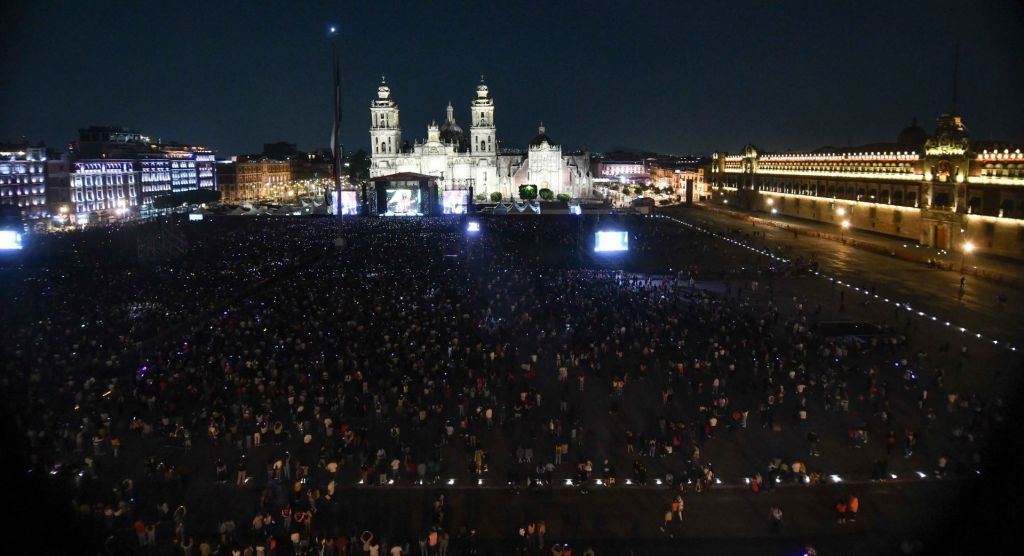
(476, 160)
(310, 167)
(624, 171)
(251, 180)
(155, 169)
(174, 171)
(23, 178)
(104, 185)
(676, 177)
(941, 190)
(58, 188)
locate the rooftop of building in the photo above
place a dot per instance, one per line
(21, 149)
(404, 176)
(541, 138)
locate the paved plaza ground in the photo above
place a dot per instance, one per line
(732, 266)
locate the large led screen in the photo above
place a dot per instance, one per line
(454, 202)
(403, 201)
(611, 241)
(348, 203)
(10, 240)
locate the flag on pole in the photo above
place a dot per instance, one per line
(335, 130)
(337, 108)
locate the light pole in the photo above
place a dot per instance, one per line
(968, 248)
(845, 226)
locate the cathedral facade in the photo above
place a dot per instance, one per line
(460, 161)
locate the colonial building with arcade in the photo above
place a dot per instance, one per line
(943, 190)
(459, 160)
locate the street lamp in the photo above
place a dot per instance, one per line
(843, 228)
(968, 248)
(841, 211)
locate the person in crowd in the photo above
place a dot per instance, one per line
(390, 363)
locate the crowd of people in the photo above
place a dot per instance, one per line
(248, 397)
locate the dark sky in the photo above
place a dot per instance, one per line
(676, 77)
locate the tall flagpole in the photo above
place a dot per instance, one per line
(336, 123)
(956, 72)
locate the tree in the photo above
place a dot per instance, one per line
(166, 201)
(563, 197)
(547, 194)
(200, 196)
(527, 191)
(359, 167)
(495, 196)
(614, 187)
(481, 197)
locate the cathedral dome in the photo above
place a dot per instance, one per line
(451, 132)
(912, 136)
(542, 138)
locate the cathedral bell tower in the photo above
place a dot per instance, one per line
(482, 139)
(385, 131)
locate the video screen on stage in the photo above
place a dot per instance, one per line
(403, 201)
(349, 204)
(611, 241)
(454, 202)
(10, 240)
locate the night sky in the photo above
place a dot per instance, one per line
(673, 77)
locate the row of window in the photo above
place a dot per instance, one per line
(10, 180)
(1011, 170)
(21, 169)
(98, 194)
(24, 201)
(835, 165)
(382, 120)
(103, 179)
(1007, 207)
(22, 190)
(100, 205)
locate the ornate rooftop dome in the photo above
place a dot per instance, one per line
(912, 136)
(542, 138)
(451, 132)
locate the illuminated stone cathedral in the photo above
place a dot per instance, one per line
(460, 161)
